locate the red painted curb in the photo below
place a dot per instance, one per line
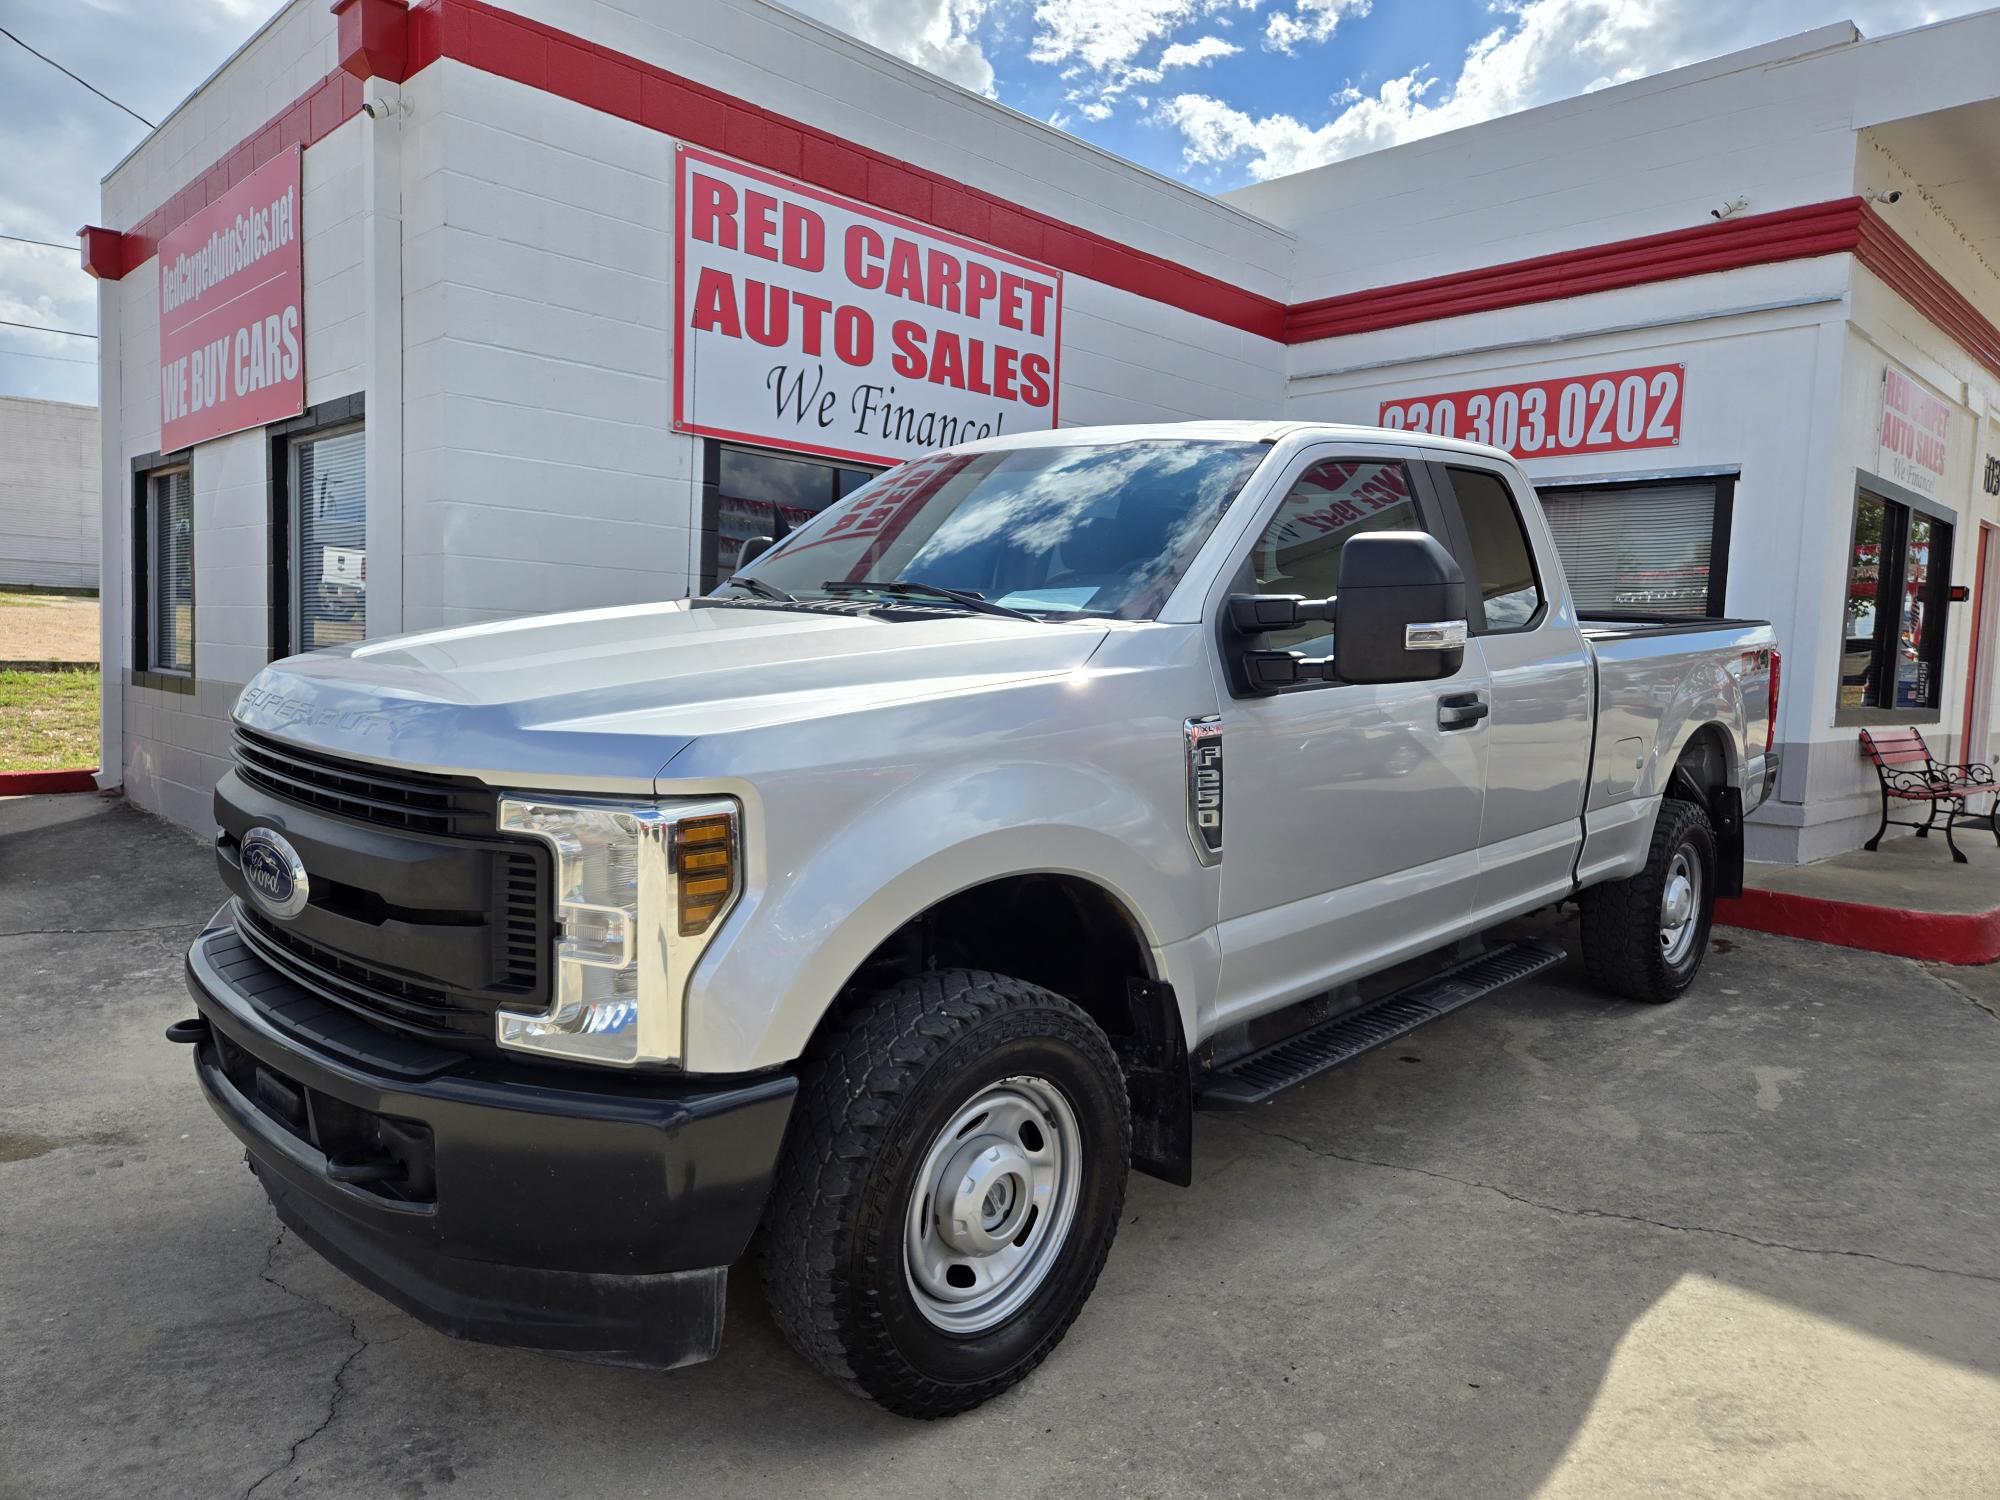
(31, 783)
(1943, 937)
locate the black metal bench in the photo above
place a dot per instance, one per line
(1908, 773)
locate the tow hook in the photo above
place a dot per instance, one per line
(188, 1032)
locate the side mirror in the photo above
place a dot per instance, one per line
(753, 549)
(1400, 612)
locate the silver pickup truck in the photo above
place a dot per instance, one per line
(877, 912)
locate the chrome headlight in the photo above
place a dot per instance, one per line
(639, 888)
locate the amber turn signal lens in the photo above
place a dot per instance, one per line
(705, 855)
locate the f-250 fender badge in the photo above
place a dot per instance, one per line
(1204, 786)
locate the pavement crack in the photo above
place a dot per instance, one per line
(1962, 992)
(1570, 1211)
(337, 1391)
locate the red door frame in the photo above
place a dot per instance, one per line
(1973, 656)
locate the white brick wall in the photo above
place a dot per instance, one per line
(48, 493)
(174, 744)
(865, 96)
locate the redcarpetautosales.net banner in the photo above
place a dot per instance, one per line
(810, 321)
(232, 311)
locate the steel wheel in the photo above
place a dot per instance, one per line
(992, 1205)
(1680, 906)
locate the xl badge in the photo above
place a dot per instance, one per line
(274, 873)
(1204, 786)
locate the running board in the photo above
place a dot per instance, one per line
(1253, 1079)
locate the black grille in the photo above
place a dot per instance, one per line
(517, 911)
(368, 794)
(407, 1004)
(436, 965)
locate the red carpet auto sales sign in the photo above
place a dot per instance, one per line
(232, 311)
(812, 322)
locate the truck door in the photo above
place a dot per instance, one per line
(1352, 811)
(1538, 735)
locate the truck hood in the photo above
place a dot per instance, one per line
(603, 699)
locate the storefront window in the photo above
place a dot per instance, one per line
(330, 525)
(170, 558)
(768, 495)
(1648, 549)
(1892, 645)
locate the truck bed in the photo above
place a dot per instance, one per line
(1659, 679)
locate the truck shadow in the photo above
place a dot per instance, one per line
(1552, 1244)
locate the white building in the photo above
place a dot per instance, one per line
(49, 494)
(529, 334)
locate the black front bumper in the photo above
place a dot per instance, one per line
(500, 1202)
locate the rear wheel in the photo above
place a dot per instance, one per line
(1645, 938)
(949, 1192)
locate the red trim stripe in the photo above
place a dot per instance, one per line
(1788, 234)
(1917, 282)
(41, 783)
(311, 117)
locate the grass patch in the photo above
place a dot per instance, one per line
(48, 721)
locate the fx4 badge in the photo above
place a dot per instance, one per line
(1204, 786)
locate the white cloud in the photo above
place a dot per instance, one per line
(1308, 21)
(1106, 34)
(1099, 43)
(940, 36)
(1194, 54)
(1542, 50)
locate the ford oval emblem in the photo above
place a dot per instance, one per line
(274, 873)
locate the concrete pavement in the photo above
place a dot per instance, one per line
(1746, 1244)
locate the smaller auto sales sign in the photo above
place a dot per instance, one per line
(1605, 413)
(812, 322)
(232, 311)
(1916, 434)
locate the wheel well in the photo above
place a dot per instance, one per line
(1058, 931)
(1071, 936)
(1701, 776)
(1703, 768)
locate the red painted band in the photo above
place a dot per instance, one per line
(41, 783)
(311, 117)
(1941, 937)
(1787, 234)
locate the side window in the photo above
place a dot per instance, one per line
(1299, 552)
(1501, 569)
(167, 584)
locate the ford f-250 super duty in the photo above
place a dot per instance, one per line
(876, 912)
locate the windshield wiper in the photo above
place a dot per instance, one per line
(913, 586)
(760, 588)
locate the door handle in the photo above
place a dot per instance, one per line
(1462, 710)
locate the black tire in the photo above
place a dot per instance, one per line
(874, 1096)
(1622, 947)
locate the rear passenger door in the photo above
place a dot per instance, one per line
(1538, 736)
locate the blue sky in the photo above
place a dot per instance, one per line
(1216, 93)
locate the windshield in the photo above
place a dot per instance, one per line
(1102, 529)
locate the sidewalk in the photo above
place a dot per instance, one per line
(1908, 898)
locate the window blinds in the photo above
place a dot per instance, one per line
(1641, 549)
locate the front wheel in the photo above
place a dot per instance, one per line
(1645, 938)
(949, 1192)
